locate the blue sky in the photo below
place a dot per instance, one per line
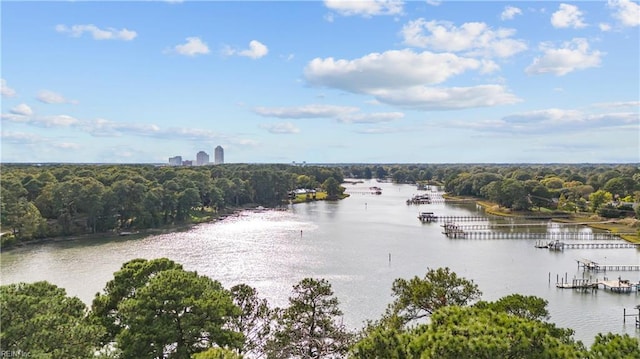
(321, 81)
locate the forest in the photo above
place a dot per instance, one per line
(61, 200)
(157, 309)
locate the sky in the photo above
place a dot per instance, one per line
(334, 81)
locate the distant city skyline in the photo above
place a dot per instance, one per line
(372, 81)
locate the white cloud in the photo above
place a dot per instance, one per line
(256, 50)
(97, 33)
(308, 111)
(436, 99)
(22, 110)
(634, 105)
(558, 121)
(377, 117)
(402, 78)
(365, 8)
(627, 12)
(281, 128)
(6, 90)
(568, 16)
(107, 128)
(474, 38)
(194, 46)
(434, 2)
(56, 121)
(51, 97)
(572, 56)
(22, 138)
(66, 146)
(604, 27)
(12, 117)
(391, 69)
(510, 12)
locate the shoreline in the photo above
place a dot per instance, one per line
(610, 225)
(128, 235)
(143, 233)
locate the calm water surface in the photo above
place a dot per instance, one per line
(360, 245)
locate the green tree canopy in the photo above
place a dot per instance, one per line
(132, 276)
(332, 187)
(254, 321)
(178, 313)
(41, 320)
(417, 298)
(528, 307)
(309, 327)
(468, 332)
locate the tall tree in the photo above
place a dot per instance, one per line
(420, 297)
(254, 321)
(467, 332)
(332, 187)
(612, 346)
(40, 320)
(528, 307)
(178, 313)
(599, 198)
(132, 276)
(309, 327)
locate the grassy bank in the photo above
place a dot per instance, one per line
(318, 196)
(627, 228)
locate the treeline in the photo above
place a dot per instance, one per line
(62, 200)
(156, 309)
(608, 190)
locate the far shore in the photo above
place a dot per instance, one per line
(133, 233)
(626, 228)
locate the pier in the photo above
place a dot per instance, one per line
(559, 246)
(548, 236)
(427, 217)
(635, 316)
(436, 218)
(615, 286)
(419, 199)
(370, 190)
(589, 265)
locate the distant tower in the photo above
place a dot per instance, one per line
(175, 161)
(218, 156)
(202, 159)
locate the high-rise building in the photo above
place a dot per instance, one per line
(202, 159)
(218, 156)
(175, 161)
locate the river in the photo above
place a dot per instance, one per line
(360, 245)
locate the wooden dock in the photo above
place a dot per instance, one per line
(419, 199)
(427, 217)
(437, 218)
(490, 226)
(560, 246)
(615, 286)
(589, 265)
(635, 316)
(548, 236)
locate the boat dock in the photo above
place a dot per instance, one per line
(635, 316)
(419, 199)
(589, 265)
(435, 218)
(559, 246)
(616, 286)
(549, 236)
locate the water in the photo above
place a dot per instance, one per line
(360, 245)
